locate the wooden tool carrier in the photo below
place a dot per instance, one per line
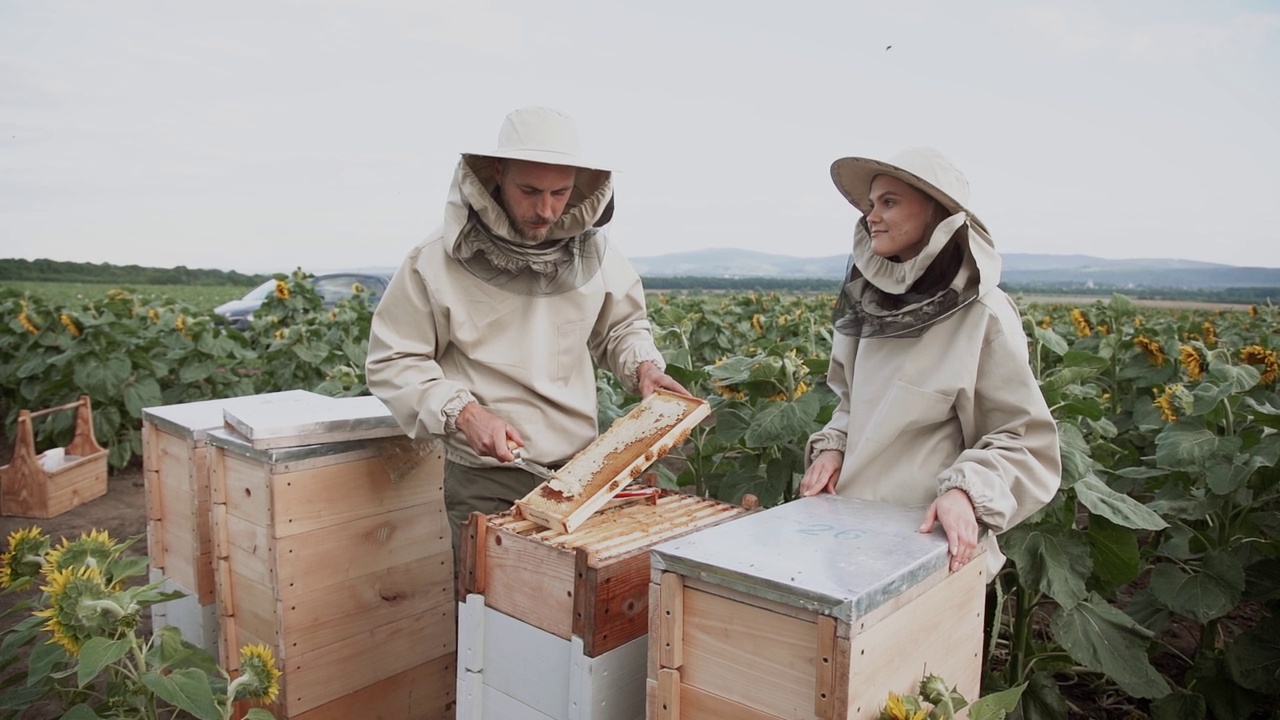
(27, 489)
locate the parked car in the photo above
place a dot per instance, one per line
(332, 287)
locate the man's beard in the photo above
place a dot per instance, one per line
(530, 234)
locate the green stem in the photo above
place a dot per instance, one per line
(1209, 638)
(1020, 645)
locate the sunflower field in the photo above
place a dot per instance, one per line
(1149, 587)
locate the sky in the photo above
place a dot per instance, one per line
(267, 135)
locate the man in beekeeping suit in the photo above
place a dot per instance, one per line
(486, 335)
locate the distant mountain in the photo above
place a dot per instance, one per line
(1019, 270)
(731, 262)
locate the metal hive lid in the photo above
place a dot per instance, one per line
(193, 420)
(826, 554)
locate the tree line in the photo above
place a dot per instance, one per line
(43, 270)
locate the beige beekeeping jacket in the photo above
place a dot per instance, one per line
(956, 406)
(443, 336)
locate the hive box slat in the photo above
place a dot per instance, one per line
(418, 692)
(817, 608)
(343, 567)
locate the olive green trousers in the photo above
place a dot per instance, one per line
(487, 490)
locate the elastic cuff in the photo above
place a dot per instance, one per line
(822, 444)
(631, 367)
(453, 408)
(962, 483)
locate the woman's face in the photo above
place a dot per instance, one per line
(899, 218)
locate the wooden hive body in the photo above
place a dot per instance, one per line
(340, 562)
(814, 609)
(175, 469)
(582, 597)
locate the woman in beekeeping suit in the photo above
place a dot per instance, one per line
(938, 404)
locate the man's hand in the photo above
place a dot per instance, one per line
(823, 473)
(954, 510)
(487, 434)
(651, 378)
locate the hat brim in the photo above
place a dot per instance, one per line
(853, 175)
(541, 156)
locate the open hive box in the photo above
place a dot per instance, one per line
(632, 443)
(813, 609)
(554, 624)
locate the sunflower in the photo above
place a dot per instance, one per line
(727, 392)
(1152, 348)
(1083, 328)
(69, 324)
(73, 615)
(1165, 403)
(1104, 328)
(757, 322)
(895, 708)
(26, 320)
(1210, 333)
(153, 315)
(1258, 355)
(356, 288)
(282, 289)
(1047, 322)
(92, 549)
(25, 558)
(1192, 362)
(1253, 311)
(259, 678)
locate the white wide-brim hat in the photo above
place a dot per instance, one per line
(923, 168)
(540, 134)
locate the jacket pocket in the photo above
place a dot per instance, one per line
(908, 411)
(571, 344)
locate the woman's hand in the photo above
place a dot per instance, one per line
(823, 473)
(954, 510)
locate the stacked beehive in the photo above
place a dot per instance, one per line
(175, 464)
(339, 561)
(553, 624)
(813, 609)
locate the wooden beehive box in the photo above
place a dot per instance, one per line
(578, 600)
(337, 556)
(28, 489)
(175, 468)
(632, 443)
(813, 609)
